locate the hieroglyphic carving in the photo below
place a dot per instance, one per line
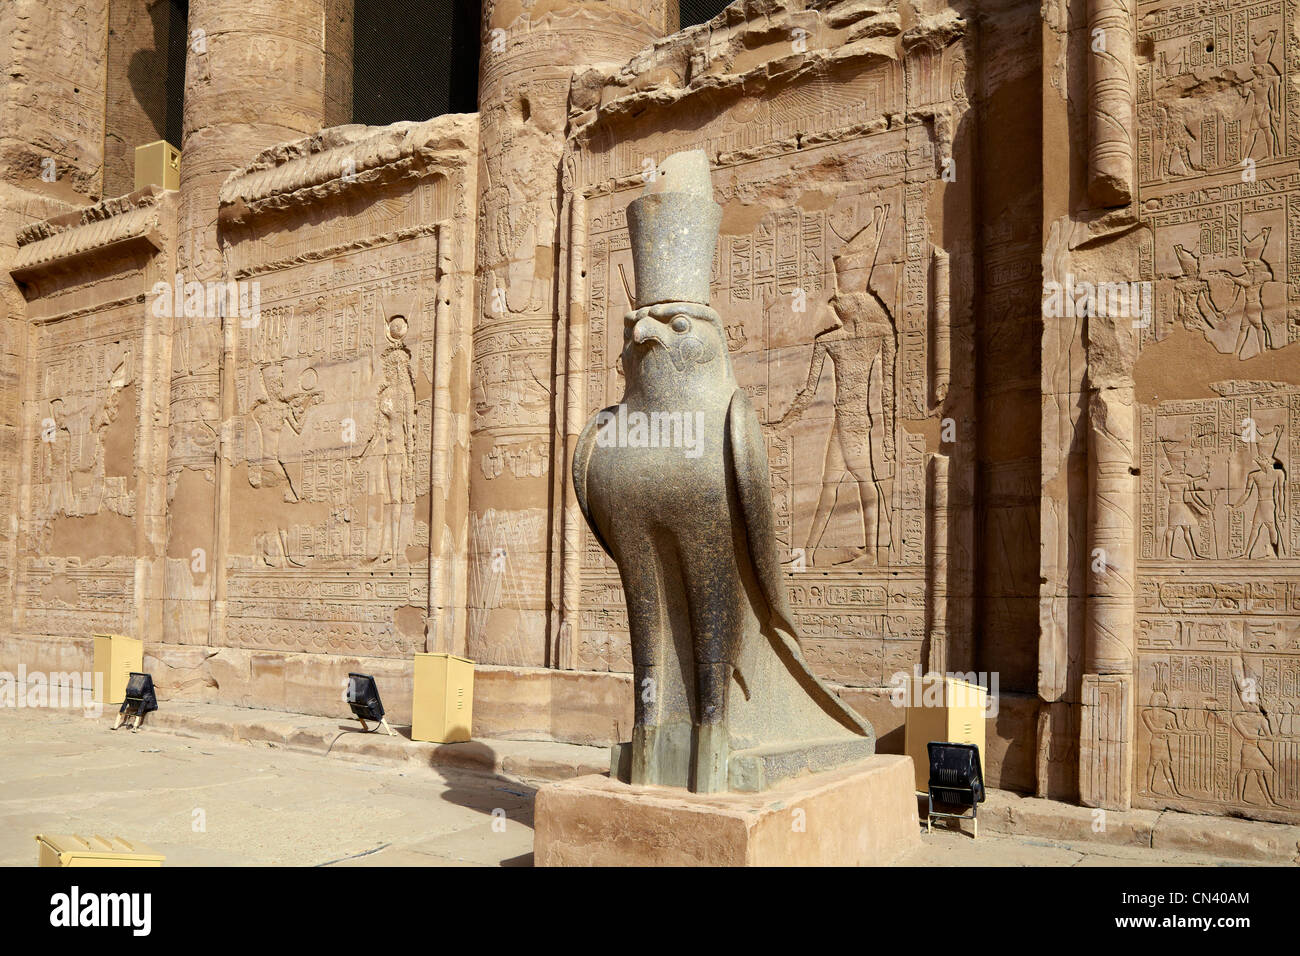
(837, 222)
(1216, 618)
(91, 461)
(1217, 478)
(1221, 266)
(345, 445)
(77, 569)
(1218, 628)
(333, 421)
(1212, 93)
(85, 367)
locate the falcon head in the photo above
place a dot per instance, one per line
(673, 338)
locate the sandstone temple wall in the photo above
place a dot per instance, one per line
(1014, 288)
(828, 166)
(345, 441)
(1169, 599)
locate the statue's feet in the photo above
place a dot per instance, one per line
(712, 752)
(660, 755)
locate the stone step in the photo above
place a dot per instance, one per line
(526, 760)
(1248, 840)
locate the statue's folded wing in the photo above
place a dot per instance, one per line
(754, 484)
(581, 457)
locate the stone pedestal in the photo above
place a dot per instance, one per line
(861, 815)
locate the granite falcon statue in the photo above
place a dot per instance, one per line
(674, 483)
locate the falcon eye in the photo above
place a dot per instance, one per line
(681, 324)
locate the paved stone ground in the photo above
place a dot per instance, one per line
(950, 848)
(264, 805)
(261, 805)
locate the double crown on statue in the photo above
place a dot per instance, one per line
(673, 227)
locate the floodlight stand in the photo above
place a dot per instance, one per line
(135, 719)
(383, 722)
(974, 815)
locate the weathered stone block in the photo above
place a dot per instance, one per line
(862, 815)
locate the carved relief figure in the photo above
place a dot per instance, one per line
(861, 349)
(1253, 764)
(57, 462)
(1161, 723)
(74, 460)
(1188, 504)
(1176, 133)
(1193, 305)
(1250, 285)
(1242, 327)
(1262, 94)
(1266, 482)
(271, 411)
(393, 444)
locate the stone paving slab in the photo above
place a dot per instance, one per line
(208, 802)
(60, 759)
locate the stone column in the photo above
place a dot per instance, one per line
(338, 62)
(937, 563)
(255, 76)
(941, 322)
(524, 76)
(1107, 739)
(1112, 116)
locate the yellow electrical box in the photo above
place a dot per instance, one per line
(158, 164)
(442, 706)
(71, 850)
(116, 656)
(943, 709)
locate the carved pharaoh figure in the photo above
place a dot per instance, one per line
(1261, 94)
(393, 444)
(724, 699)
(1161, 724)
(860, 348)
(1188, 503)
(1266, 483)
(274, 408)
(1253, 765)
(1251, 283)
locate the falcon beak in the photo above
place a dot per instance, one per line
(648, 330)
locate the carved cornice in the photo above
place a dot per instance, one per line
(112, 224)
(703, 59)
(336, 162)
(103, 211)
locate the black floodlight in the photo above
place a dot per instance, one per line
(363, 698)
(955, 781)
(139, 700)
